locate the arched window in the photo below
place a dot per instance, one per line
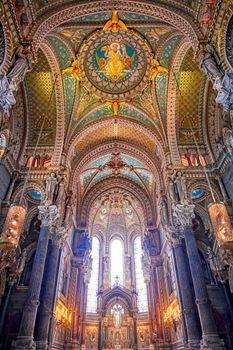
(140, 284)
(116, 262)
(93, 286)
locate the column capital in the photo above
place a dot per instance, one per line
(48, 214)
(183, 214)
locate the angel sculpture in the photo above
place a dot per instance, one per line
(114, 24)
(73, 69)
(156, 69)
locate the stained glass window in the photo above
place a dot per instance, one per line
(116, 262)
(142, 301)
(94, 280)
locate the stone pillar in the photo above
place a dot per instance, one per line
(184, 213)
(46, 308)
(47, 215)
(158, 331)
(135, 336)
(99, 334)
(12, 279)
(188, 305)
(76, 313)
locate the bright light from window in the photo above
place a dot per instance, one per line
(140, 284)
(116, 261)
(94, 280)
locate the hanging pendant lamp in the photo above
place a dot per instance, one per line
(221, 223)
(13, 227)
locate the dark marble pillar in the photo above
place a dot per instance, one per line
(135, 336)
(158, 330)
(76, 306)
(12, 279)
(100, 335)
(46, 308)
(47, 215)
(184, 214)
(188, 305)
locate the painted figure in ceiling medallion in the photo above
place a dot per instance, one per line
(116, 64)
(115, 60)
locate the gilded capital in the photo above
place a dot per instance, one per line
(48, 214)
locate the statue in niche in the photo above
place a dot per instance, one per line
(224, 86)
(164, 211)
(68, 208)
(59, 190)
(210, 62)
(50, 188)
(21, 64)
(177, 188)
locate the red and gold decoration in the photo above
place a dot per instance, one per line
(62, 314)
(172, 313)
(13, 227)
(221, 223)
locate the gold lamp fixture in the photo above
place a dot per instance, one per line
(221, 223)
(13, 227)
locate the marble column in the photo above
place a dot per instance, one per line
(45, 312)
(135, 336)
(76, 313)
(99, 334)
(188, 304)
(158, 331)
(184, 213)
(12, 279)
(47, 215)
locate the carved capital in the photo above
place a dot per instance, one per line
(48, 214)
(183, 214)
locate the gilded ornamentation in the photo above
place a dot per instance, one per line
(115, 24)
(74, 69)
(156, 68)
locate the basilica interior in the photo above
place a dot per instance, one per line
(116, 174)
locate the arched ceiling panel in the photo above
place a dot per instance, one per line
(41, 104)
(190, 107)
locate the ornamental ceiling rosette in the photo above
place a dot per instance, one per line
(115, 66)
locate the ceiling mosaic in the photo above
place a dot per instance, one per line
(41, 103)
(191, 85)
(118, 131)
(116, 65)
(116, 165)
(113, 209)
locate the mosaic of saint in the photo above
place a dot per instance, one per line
(115, 63)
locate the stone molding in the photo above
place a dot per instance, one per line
(183, 214)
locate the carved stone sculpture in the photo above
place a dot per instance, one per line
(224, 86)
(177, 188)
(6, 96)
(50, 188)
(21, 64)
(210, 62)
